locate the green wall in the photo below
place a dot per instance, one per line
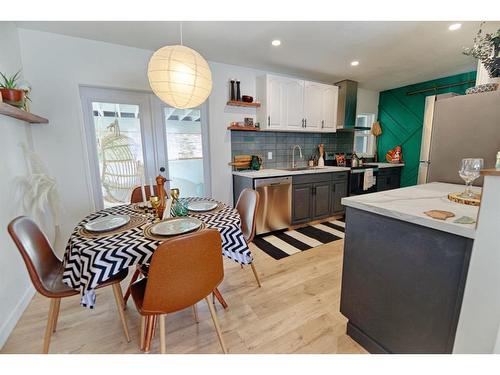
(401, 117)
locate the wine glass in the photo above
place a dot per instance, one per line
(155, 203)
(469, 171)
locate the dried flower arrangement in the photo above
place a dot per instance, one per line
(486, 48)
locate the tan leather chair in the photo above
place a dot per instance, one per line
(247, 204)
(46, 271)
(183, 271)
(136, 196)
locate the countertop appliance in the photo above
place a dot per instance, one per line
(457, 127)
(275, 206)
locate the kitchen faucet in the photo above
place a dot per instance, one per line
(293, 154)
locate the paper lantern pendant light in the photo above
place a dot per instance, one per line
(180, 76)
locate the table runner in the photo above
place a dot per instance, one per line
(89, 262)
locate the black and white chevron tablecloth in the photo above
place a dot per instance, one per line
(89, 262)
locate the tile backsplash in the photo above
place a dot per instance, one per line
(281, 143)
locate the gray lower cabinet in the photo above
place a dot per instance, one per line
(317, 196)
(321, 199)
(301, 203)
(339, 191)
(388, 178)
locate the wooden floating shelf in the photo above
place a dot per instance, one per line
(235, 103)
(17, 113)
(243, 128)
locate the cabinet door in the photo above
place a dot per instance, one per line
(321, 199)
(329, 108)
(339, 191)
(313, 103)
(294, 104)
(301, 203)
(275, 103)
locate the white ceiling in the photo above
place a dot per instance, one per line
(391, 54)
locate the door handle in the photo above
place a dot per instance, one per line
(268, 120)
(305, 123)
(302, 122)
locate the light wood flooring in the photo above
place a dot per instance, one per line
(295, 311)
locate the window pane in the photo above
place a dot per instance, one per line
(119, 150)
(185, 150)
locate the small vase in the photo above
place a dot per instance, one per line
(233, 95)
(238, 93)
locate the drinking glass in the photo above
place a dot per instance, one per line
(469, 171)
(155, 203)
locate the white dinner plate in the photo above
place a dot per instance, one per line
(107, 223)
(176, 226)
(202, 206)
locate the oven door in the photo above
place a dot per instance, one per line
(357, 180)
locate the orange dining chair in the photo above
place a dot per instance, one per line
(183, 271)
(46, 271)
(247, 204)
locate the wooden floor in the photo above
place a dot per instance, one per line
(295, 311)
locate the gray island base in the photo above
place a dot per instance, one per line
(403, 276)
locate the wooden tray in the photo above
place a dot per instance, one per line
(456, 197)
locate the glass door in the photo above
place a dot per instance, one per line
(120, 143)
(185, 134)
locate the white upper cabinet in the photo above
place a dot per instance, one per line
(329, 109)
(293, 104)
(313, 105)
(294, 99)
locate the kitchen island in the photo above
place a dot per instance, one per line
(404, 272)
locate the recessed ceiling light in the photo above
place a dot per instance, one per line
(354, 63)
(276, 42)
(455, 26)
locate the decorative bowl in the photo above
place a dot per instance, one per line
(487, 87)
(247, 99)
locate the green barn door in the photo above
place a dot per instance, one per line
(401, 117)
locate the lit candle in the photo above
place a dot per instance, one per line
(151, 190)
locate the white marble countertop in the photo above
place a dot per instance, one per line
(410, 203)
(281, 172)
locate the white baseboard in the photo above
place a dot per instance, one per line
(11, 321)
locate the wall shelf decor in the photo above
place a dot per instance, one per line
(17, 113)
(235, 103)
(243, 128)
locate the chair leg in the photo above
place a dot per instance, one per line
(195, 313)
(149, 333)
(117, 290)
(56, 313)
(163, 344)
(134, 278)
(143, 326)
(255, 274)
(50, 325)
(216, 324)
(219, 297)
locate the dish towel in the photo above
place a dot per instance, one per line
(368, 180)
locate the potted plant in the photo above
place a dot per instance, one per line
(11, 94)
(486, 48)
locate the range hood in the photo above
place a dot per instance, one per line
(346, 108)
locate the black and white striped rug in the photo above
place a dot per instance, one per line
(281, 244)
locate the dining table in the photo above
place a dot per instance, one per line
(92, 258)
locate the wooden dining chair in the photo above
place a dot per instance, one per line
(46, 272)
(183, 271)
(247, 204)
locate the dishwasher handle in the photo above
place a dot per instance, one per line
(273, 181)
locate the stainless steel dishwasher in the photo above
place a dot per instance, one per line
(275, 206)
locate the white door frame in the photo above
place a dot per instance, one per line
(153, 137)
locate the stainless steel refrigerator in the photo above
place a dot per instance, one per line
(457, 127)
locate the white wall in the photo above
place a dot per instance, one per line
(15, 287)
(478, 329)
